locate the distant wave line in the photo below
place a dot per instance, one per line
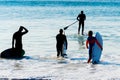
(57, 3)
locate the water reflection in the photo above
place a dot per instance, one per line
(81, 40)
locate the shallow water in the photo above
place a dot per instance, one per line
(43, 22)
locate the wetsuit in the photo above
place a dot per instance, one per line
(91, 41)
(59, 46)
(81, 18)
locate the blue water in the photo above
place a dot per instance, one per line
(58, 3)
(43, 19)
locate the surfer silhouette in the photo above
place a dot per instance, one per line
(81, 18)
(17, 39)
(61, 39)
(91, 41)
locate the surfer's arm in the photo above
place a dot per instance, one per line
(78, 18)
(25, 30)
(85, 17)
(87, 42)
(99, 44)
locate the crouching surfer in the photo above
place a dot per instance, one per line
(17, 41)
(16, 51)
(91, 41)
(61, 43)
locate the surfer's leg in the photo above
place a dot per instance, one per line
(58, 53)
(89, 59)
(82, 28)
(90, 56)
(79, 27)
(62, 54)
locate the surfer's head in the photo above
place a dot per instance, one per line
(81, 12)
(90, 33)
(61, 31)
(21, 28)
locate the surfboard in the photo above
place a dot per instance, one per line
(96, 55)
(64, 50)
(12, 53)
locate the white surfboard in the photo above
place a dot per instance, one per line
(96, 55)
(64, 50)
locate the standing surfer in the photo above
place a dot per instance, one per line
(91, 41)
(61, 39)
(81, 18)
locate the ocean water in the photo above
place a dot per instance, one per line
(43, 19)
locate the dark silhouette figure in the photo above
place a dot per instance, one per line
(60, 38)
(17, 40)
(91, 41)
(81, 18)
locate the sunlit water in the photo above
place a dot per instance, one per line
(43, 20)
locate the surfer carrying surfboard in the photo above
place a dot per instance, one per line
(91, 41)
(61, 39)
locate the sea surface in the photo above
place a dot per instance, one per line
(43, 19)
